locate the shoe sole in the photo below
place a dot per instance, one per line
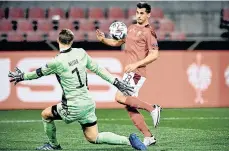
(151, 144)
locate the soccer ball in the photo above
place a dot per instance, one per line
(118, 30)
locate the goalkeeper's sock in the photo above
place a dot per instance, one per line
(50, 130)
(138, 121)
(111, 138)
(135, 102)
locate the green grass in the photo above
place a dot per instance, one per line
(179, 129)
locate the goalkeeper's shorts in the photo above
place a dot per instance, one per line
(83, 114)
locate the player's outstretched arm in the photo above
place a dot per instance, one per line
(18, 75)
(104, 74)
(111, 42)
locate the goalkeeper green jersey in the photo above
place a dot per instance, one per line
(70, 69)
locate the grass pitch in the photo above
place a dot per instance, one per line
(179, 130)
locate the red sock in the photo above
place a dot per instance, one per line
(136, 103)
(138, 121)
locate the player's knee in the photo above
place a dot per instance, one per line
(120, 98)
(91, 138)
(45, 114)
(131, 110)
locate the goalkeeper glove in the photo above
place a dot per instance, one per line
(17, 76)
(123, 87)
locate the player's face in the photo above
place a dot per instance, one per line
(142, 16)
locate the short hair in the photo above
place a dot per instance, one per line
(66, 36)
(144, 5)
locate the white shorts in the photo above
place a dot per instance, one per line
(134, 80)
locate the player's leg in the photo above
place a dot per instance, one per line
(90, 129)
(135, 116)
(138, 121)
(140, 124)
(93, 136)
(48, 116)
(134, 102)
(137, 82)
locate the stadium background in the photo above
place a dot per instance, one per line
(192, 71)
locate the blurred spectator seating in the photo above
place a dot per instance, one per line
(44, 25)
(161, 35)
(15, 36)
(65, 23)
(95, 13)
(83, 21)
(52, 12)
(86, 25)
(15, 13)
(115, 13)
(224, 19)
(163, 25)
(157, 13)
(24, 25)
(91, 36)
(34, 36)
(36, 12)
(2, 13)
(5, 25)
(79, 35)
(52, 35)
(76, 13)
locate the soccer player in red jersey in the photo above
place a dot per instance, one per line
(141, 49)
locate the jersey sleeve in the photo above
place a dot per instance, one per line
(151, 41)
(100, 71)
(49, 68)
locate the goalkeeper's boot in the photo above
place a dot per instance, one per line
(48, 146)
(149, 141)
(136, 142)
(156, 113)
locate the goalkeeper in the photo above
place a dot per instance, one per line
(77, 105)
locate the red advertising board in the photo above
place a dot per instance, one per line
(177, 79)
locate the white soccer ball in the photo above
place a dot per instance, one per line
(118, 30)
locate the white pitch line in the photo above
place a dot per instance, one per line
(126, 119)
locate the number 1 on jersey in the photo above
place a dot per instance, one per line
(78, 75)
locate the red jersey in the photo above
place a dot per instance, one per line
(139, 40)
